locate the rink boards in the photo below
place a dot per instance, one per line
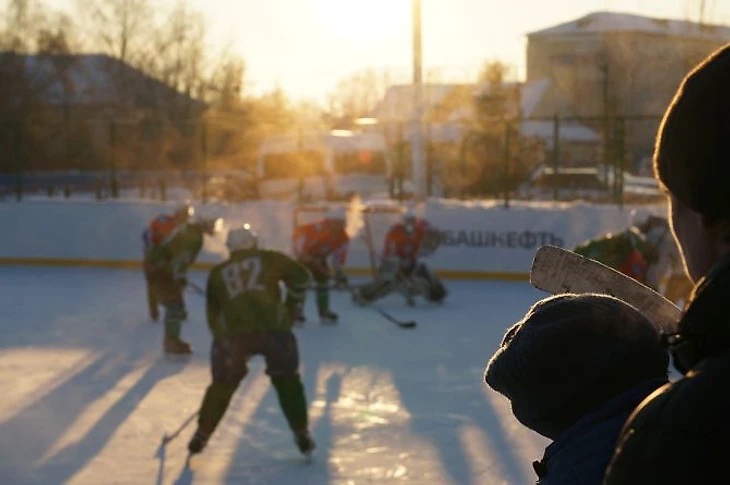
(478, 240)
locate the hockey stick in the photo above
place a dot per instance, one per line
(167, 438)
(388, 316)
(556, 270)
(196, 288)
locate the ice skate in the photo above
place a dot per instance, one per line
(304, 442)
(176, 347)
(198, 442)
(328, 318)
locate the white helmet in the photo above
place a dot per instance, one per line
(646, 222)
(337, 214)
(242, 238)
(409, 215)
(639, 216)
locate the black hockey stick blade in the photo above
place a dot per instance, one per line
(386, 315)
(557, 270)
(390, 318)
(197, 289)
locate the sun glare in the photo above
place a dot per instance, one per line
(364, 19)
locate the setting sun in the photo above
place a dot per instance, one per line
(364, 19)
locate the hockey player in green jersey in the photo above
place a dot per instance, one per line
(166, 265)
(247, 317)
(627, 251)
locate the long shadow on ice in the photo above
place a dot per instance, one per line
(28, 436)
(440, 384)
(74, 457)
(48, 312)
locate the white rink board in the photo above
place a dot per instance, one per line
(479, 239)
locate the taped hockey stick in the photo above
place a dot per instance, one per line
(557, 270)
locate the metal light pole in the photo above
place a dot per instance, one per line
(418, 152)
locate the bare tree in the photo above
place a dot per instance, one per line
(495, 72)
(58, 36)
(20, 25)
(356, 96)
(120, 28)
(178, 50)
(703, 9)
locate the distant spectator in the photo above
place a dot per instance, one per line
(574, 368)
(682, 434)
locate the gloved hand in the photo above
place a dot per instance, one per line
(296, 317)
(340, 279)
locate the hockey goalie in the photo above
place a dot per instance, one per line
(400, 270)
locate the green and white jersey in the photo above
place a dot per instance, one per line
(178, 251)
(244, 293)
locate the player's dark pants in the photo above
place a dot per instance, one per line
(321, 274)
(163, 289)
(229, 365)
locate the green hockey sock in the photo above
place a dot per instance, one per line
(172, 329)
(215, 403)
(174, 317)
(292, 400)
(323, 299)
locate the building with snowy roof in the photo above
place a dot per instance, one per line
(111, 87)
(450, 115)
(608, 64)
(83, 107)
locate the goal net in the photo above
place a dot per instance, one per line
(367, 225)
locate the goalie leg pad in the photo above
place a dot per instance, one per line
(375, 291)
(435, 290)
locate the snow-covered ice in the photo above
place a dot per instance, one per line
(86, 395)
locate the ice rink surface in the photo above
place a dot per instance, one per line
(87, 395)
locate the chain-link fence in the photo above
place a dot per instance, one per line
(596, 159)
(108, 158)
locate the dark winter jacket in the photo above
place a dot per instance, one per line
(581, 454)
(682, 434)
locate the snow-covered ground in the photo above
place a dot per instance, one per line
(86, 395)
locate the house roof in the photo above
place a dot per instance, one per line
(398, 100)
(89, 79)
(604, 22)
(397, 104)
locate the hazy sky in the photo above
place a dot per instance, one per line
(306, 46)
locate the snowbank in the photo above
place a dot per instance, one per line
(480, 239)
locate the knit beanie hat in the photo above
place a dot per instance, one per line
(569, 355)
(692, 155)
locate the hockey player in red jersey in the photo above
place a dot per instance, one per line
(403, 242)
(313, 245)
(153, 235)
(162, 225)
(400, 269)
